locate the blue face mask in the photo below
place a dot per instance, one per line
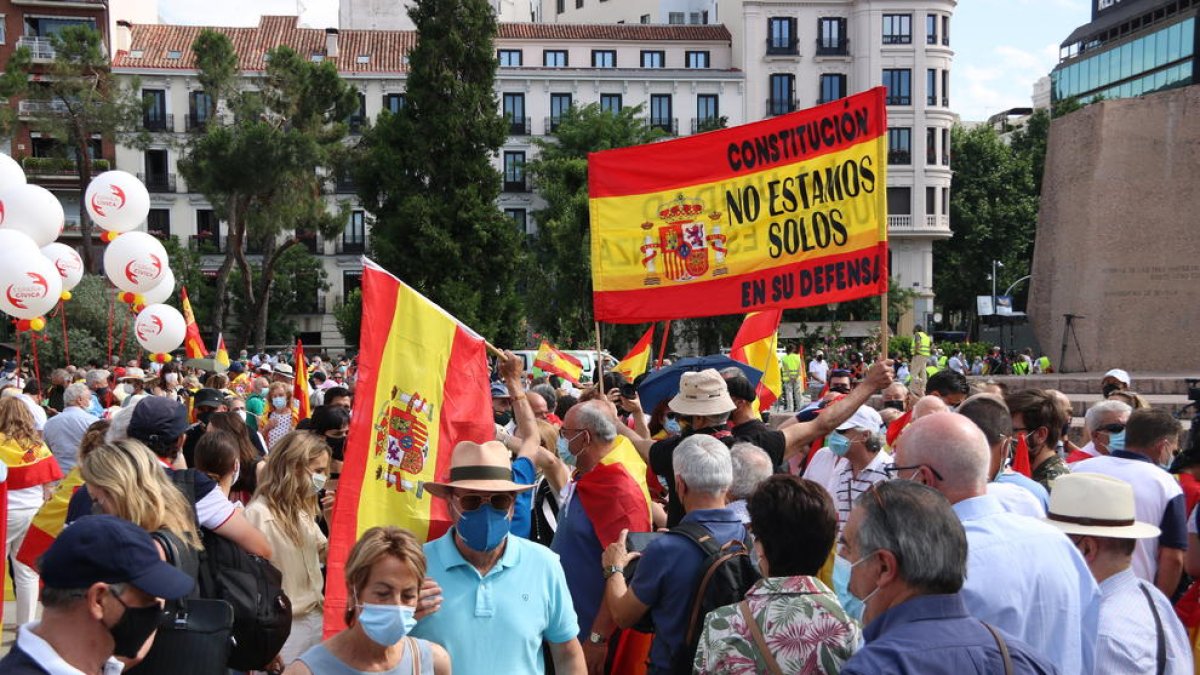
(672, 426)
(1116, 441)
(564, 451)
(279, 402)
(484, 528)
(386, 624)
(841, 586)
(838, 443)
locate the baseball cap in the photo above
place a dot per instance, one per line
(157, 418)
(1119, 375)
(208, 397)
(237, 367)
(111, 550)
(865, 417)
(499, 390)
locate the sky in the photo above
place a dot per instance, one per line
(1001, 46)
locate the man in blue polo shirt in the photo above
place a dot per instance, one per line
(501, 596)
(669, 572)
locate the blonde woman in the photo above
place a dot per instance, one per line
(32, 470)
(281, 416)
(383, 576)
(285, 508)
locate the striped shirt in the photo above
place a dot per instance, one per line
(847, 486)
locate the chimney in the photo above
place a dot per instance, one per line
(123, 36)
(331, 43)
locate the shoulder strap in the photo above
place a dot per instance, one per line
(1161, 656)
(699, 536)
(168, 546)
(1004, 655)
(415, 653)
(759, 641)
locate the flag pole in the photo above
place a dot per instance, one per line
(883, 309)
(599, 359)
(662, 349)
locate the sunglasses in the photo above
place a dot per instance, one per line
(1114, 428)
(500, 502)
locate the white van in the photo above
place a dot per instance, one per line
(585, 356)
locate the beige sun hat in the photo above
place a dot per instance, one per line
(481, 467)
(1095, 505)
(703, 393)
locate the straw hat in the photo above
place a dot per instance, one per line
(704, 393)
(1095, 505)
(482, 468)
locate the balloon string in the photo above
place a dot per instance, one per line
(112, 301)
(124, 332)
(62, 307)
(37, 367)
(17, 342)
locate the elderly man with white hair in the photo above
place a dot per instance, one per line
(65, 431)
(1023, 576)
(751, 466)
(1105, 423)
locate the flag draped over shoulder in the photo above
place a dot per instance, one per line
(192, 344)
(300, 384)
(558, 363)
(755, 345)
(637, 361)
(49, 521)
(422, 388)
(222, 353)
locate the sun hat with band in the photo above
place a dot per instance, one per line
(702, 393)
(478, 467)
(1095, 505)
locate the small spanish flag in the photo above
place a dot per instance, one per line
(192, 343)
(49, 521)
(222, 356)
(637, 361)
(300, 384)
(754, 345)
(558, 363)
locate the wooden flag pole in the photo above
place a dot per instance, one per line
(883, 310)
(599, 359)
(662, 348)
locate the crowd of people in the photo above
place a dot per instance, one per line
(943, 525)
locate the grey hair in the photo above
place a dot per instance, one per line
(751, 465)
(118, 426)
(76, 391)
(62, 598)
(919, 527)
(703, 462)
(596, 420)
(96, 377)
(1092, 417)
(546, 392)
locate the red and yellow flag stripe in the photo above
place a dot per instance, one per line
(755, 345)
(192, 344)
(558, 363)
(637, 361)
(300, 384)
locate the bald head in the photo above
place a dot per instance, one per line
(951, 445)
(928, 405)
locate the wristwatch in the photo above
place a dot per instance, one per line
(596, 638)
(612, 569)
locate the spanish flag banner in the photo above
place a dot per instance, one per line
(755, 345)
(558, 363)
(222, 353)
(787, 212)
(192, 344)
(422, 388)
(637, 361)
(300, 384)
(48, 522)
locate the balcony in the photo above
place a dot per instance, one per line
(552, 123)
(157, 123)
(899, 99)
(899, 157)
(194, 122)
(30, 108)
(783, 46)
(518, 126)
(354, 246)
(311, 241)
(345, 185)
(207, 243)
(668, 125)
(41, 49)
(158, 182)
(780, 106)
(702, 124)
(356, 124)
(930, 224)
(833, 47)
(516, 183)
(59, 166)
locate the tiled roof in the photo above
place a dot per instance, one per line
(386, 50)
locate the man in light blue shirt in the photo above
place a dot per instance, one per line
(65, 431)
(1023, 576)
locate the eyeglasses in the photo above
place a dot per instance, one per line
(893, 471)
(500, 501)
(1114, 428)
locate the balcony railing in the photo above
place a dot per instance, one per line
(780, 106)
(345, 185)
(59, 166)
(900, 222)
(158, 182)
(704, 124)
(353, 246)
(833, 47)
(912, 223)
(937, 222)
(782, 46)
(40, 48)
(552, 123)
(518, 126)
(156, 123)
(516, 183)
(207, 243)
(28, 107)
(899, 99)
(899, 157)
(196, 122)
(897, 39)
(668, 125)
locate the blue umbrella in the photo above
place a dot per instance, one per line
(663, 384)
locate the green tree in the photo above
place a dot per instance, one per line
(80, 98)
(265, 166)
(299, 279)
(427, 176)
(349, 318)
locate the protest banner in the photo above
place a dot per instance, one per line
(787, 212)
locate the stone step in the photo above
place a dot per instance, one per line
(1144, 383)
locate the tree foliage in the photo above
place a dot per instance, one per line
(426, 174)
(349, 318)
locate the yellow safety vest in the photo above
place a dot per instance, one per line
(923, 344)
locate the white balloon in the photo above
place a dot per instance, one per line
(16, 244)
(10, 172)
(29, 287)
(32, 210)
(135, 262)
(117, 201)
(162, 291)
(68, 263)
(159, 329)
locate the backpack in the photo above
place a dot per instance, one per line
(262, 612)
(727, 574)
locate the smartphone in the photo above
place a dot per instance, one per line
(636, 542)
(628, 390)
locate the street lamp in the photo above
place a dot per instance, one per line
(995, 264)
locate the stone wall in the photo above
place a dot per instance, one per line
(1118, 237)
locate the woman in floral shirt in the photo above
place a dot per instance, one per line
(801, 622)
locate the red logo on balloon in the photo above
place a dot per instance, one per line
(67, 264)
(149, 328)
(137, 269)
(19, 294)
(1, 213)
(114, 201)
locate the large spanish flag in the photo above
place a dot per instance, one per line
(755, 345)
(558, 363)
(637, 361)
(300, 384)
(192, 344)
(49, 521)
(422, 388)
(787, 212)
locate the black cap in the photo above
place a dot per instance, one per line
(157, 420)
(208, 397)
(1183, 460)
(111, 550)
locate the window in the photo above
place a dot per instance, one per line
(394, 103)
(945, 89)
(3, 32)
(931, 26)
(45, 26)
(946, 35)
(946, 149)
(945, 201)
(675, 17)
(317, 57)
(899, 201)
(200, 109)
(661, 114)
(559, 104)
(354, 237)
(174, 54)
(653, 59)
(363, 58)
(781, 35)
(158, 223)
(783, 94)
(931, 201)
(510, 58)
(560, 6)
(520, 217)
(931, 87)
(931, 156)
(899, 145)
(208, 229)
(554, 58)
(697, 59)
(831, 36)
(155, 116)
(697, 18)
(833, 87)
(708, 112)
(514, 172)
(578, 4)
(157, 178)
(899, 85)
(358, 118)
(604, 58)
(897, 29)
(351, 281)
(514, 113)
(610, 103)
(645, 18)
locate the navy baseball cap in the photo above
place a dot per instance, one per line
(208, 397)
(111, 550)
(157, 418)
